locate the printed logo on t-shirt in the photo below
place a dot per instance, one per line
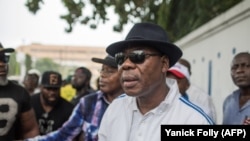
(53, 79)
(45, 124)
(8, 112)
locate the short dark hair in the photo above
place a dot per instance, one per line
(86, 71)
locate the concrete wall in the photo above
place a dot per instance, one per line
(210, 50)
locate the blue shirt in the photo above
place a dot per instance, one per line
(85, 117)
(232, 113)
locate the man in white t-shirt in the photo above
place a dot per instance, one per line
(181, 74)
(198, 95)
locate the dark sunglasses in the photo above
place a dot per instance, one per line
(137, 57)
(4, 58)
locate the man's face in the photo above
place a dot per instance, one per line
(3, 69)
(183, 83)
(30, 81)
(240, 71)
(50, 95)
(79, 80)
(109, 81)
(141, 74)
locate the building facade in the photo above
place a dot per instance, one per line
(74, 56)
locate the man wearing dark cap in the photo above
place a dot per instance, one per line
(51, 110)
(143, 59)
(88, 113)
(17, 118)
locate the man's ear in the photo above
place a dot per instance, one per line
(187, 83)
(165, 63)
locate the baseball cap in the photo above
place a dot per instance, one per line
(108, 60)
(5, 50)
(34, 71)
(3, 57)
(180, 71)
(51, 79)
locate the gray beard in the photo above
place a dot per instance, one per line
(3, 81)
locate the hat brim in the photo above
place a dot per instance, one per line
(172, 51)
(7, 50)
(105, 62)
(177, 73)
(51, 86)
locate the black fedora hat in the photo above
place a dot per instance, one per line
(108, 60)
(151, 35)
(5, 50)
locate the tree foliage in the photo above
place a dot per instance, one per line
(28, 62)
(178, 17)
(14, 67)
(45, 64)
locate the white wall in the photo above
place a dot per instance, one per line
(224, 36)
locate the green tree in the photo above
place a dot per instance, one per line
(45, 64)
(28, 62)
(178, 17)
(14, 66)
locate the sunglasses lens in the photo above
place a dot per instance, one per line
(7, 59)
(137, 57)
(4, 58)
(119, 58)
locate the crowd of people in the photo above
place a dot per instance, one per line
(144, 83)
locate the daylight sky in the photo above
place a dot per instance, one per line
(18, 27)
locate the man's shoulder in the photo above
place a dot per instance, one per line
(193, 110)
(35, 97)
(66, 103)
(194, 89)
(195, 93)
(122, 101)
(232, 96)
(91, 97)
(15, 90)
(15, 86)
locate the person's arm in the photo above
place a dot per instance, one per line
(246, 120)
(70, 129)
(29, 126)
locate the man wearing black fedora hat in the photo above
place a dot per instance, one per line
(143, 59)
(17, 118)
(88, 113)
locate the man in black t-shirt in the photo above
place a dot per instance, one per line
(51, 110)
(17, 118)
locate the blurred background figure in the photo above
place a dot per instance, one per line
(17, 118)
(198, 95)
(236, 106)
(181, 74)
(51, 110)
(31, 81)
(81, 82)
